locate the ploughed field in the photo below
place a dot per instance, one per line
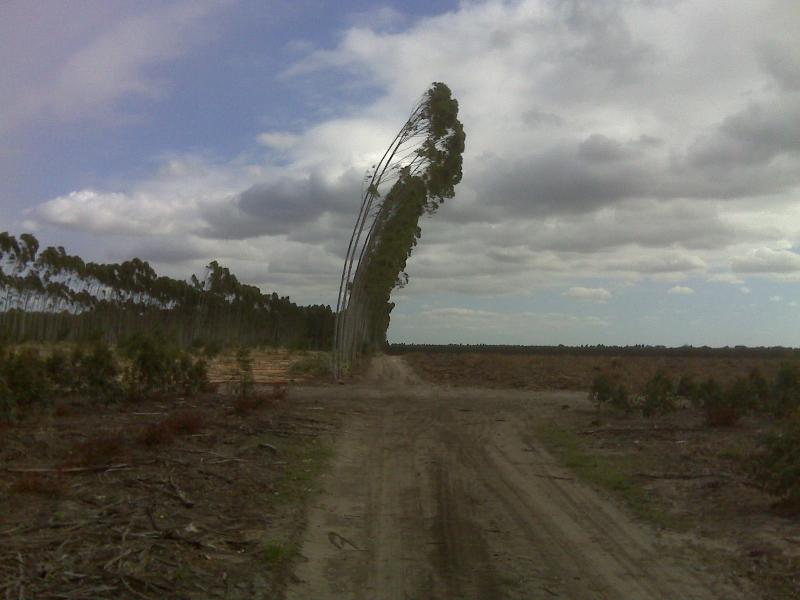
(576, 372)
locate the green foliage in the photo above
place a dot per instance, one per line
(601, 390)
(314, 365)
(776, 466)
(724, 408)
(786, 391)
(605, 391)
(98, 372)
(687, 388)
(25, 376)
(658, 396)
(159, 366)
(244, 384)
(221, 307)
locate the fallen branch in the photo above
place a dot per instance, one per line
(180, 494)
(638, 430)
(67, 469)
(682, 475)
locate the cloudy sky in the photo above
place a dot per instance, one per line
(632, 171)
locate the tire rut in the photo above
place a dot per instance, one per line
(442, 494)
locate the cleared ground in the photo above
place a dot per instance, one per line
(445, 493)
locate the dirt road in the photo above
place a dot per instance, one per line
(444, 493)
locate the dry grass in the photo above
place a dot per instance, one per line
(247, 404)
(577, 372)
(99, 449)
(184, 422)
(39, 485)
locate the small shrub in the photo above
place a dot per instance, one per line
(658, 397)
(786, 391)
(605, 391)
(317, 364)
(687, 388)
(100, 449)
(776, 466)
(25, 377)
(98, 372)
(245, 382)
(602, 390)
(620, 399)
(759, 389)
(59, 371)
(157, 434)
(185, 422)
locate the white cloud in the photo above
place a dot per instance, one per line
(595, 148)
(279, 140)
(776, 298)
(744, 289)
(680, 290)
(767, 260)
(590, 294)
(84, 75)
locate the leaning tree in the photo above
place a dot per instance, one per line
(418, 170)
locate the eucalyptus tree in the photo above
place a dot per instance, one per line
(415, 174)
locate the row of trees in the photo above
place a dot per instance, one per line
(600, 350)
(53, 296)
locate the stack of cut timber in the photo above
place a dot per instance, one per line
(268, 367)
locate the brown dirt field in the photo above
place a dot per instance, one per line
(431, 491)
(550, 372)
(178, 498)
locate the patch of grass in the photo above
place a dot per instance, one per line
(277, 554)
(305, 464)
(612, 473)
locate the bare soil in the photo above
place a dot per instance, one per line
(442, 492)
(576, 372)
(179, 498)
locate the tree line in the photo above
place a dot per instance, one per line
(49, 295)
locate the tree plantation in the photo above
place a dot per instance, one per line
(49, 295)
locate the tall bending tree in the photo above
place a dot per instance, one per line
(418, 170)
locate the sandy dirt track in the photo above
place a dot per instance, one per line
(444, 493)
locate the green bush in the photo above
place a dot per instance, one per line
(658, 396)
(776, 466)
(98, 373)
(687, 388)
(317, 364)
(158, 366)
(605, 390)
(25, 377)
(243, 386)
(759, 390)
(786, 391)
(59, 371)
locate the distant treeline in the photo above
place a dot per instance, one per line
(49, 295)
(601, 350)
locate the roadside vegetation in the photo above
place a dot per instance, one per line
(775, 465)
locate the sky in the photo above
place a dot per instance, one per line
(631, 172)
